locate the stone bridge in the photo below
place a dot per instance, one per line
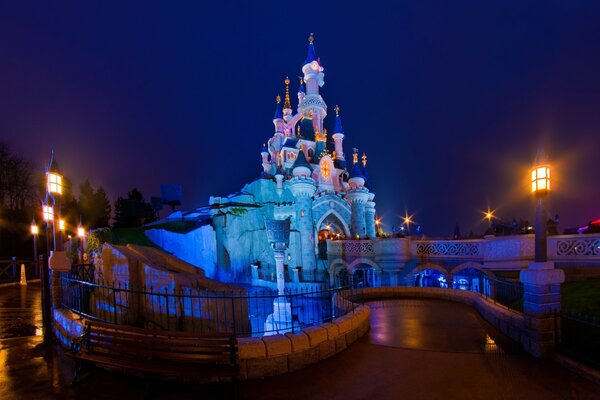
(390, 261)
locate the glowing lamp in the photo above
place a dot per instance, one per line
(34, 229)
(61, 224)
(54, 181)
(81, 232)
(377, 222)
(48, 213)
(540, 180)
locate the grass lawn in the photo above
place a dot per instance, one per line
(581, 297)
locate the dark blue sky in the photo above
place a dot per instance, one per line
(449, 99)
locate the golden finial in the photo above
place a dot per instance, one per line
(278, 99)
(301, 80)
(364, 159)
(334, 155)
(337, 110)
(311, 38)
(287, 104)
(355, 156)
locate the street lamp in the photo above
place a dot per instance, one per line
(34, 233)
(540, 187)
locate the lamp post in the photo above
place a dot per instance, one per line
(278, 235)
(81, 236)
(540, 186)
(34, 233)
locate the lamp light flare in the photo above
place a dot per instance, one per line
(61, 224)
(540, 179)
(34, 229)
(81, 232)
(54, 181)
(48, 213)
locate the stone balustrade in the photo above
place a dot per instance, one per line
(584, 248)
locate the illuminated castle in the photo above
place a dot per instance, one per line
(305, 176)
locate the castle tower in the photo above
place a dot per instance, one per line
(338, 138)
(278, 117)
(303, 187)
(312, 102)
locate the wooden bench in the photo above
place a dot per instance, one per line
(156, 353)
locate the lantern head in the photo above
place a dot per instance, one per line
(540, 180)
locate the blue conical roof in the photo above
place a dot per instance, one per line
(278, 109)
(264, 148)
(337, 128)
(301, 89)
(356, 172)
(301, 161)
(365, 173)
(312, 55)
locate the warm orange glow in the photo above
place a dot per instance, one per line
(48, 213)
(540, 179)
(81, 232)
(54, 181)
(325, 170)
(61, 224)
(34, 229)
(377, 222)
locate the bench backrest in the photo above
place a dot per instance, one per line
(149, 344)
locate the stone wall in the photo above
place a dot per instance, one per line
(269, 355)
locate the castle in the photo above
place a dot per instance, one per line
(305, 176)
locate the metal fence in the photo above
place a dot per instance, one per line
(251, 311)
(579, 336)
(10, 269)
(504, 292)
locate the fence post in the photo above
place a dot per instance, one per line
(167, 308)
(233, 312)
(13, 262)
(114, 293)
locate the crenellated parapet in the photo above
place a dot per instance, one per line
(302, 186)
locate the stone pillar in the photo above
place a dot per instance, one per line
(541, 303)
(370, 219)
(279, 257)
(303, 189)
(358, 198)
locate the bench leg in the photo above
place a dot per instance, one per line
(82, 371)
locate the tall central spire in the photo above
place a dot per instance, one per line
(287, 104)
(312, 55)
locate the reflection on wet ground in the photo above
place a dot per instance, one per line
(416, 349)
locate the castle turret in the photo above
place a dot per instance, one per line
(278, 117)
(313, 78)
(338, 137)
(370, 216)
(265, 159)
(303, 187)
(301, 92)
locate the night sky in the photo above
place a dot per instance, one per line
(449, 101)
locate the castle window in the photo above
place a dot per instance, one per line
(311, 153)
(302, 213)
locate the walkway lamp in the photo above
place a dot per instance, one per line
(35, 231)
(540, 187)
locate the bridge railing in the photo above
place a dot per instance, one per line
(517, 248)
(10, 269)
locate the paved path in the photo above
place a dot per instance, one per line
(416, 349)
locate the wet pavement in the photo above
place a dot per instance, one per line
(416, 349)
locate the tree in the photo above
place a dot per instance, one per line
(133, 211)
(94, 206)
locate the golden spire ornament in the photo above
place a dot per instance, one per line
(364, 159)
(337, 110)
(355, 156)
(278, 99)
(287, 104)
(311, 38)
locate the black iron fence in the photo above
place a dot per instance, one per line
(10, 269)
(579, 336)
(248, 312)
(505, 292)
